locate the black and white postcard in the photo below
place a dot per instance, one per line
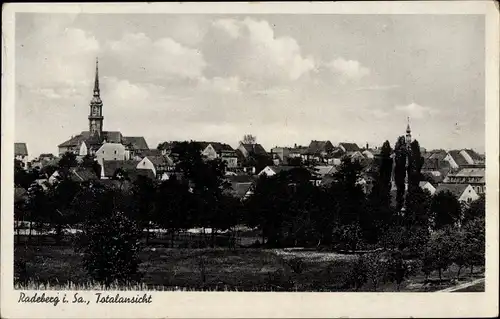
(250, 160)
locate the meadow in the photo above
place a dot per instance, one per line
(214, 269)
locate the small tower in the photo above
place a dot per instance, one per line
(95, 115)
(408, 134)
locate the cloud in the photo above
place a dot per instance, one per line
(415, 110)
(378, 87)
(56, 58)
(220, 85)
(350, 69)
(162, 58)
(250, 49)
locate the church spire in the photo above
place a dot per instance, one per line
(408, 133)
(95, 115)
(96, 81)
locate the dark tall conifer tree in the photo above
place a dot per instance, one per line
(400, 151)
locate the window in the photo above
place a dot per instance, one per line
(115, 151)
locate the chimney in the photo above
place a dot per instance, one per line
(367, 146)
(295, 145)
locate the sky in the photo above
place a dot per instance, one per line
(287, 79)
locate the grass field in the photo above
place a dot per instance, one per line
(242, 269)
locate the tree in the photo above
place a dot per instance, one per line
(173, 209)
(143, 194)
(416, 218)
(475, 210)
(37, 206)
(397, 269)
(438, 255)
(90, 162)
(352, 198)
(61, 197)
(67, 161)
(249, 139)
(401, 154)
(379, 199)
(110, 246)
(415, 163)
(475, 244)
(446, 209)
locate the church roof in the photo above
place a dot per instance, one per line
(112, 136)
(137, 143)
(20, 149)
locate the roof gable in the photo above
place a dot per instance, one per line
(137, 143)
(455, 189)
(254, 149)
(319, 147)
(349, 147)
(110, 167)
(457, 157)
(83, 174)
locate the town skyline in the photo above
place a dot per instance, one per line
(263, 76)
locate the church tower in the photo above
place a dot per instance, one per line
(95, 115)
(408, 135)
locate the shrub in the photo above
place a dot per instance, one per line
(296, 264)
(357, 275)
(110, 248)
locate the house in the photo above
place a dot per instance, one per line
(475, 175)
(223, 151)
(427, 186)
(349, 147)
(44, 159)
(242, 186)
(111, 168)
(355, 155)
(249, 150)
(320, 148)
(274, 170)
(21, 154)
(368, 154)
(323, 170)
(462, 158)
(42, 182)
(159, 165)
(298, 151)
(150, 152)
(134, 174)
(281, 152)
(111, 152)
(82, 174)
(463, 192)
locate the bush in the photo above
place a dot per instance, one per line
(357, 275)
(110, 249)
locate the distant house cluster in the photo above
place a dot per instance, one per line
(461, 172)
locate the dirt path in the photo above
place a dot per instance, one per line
(462, 286)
